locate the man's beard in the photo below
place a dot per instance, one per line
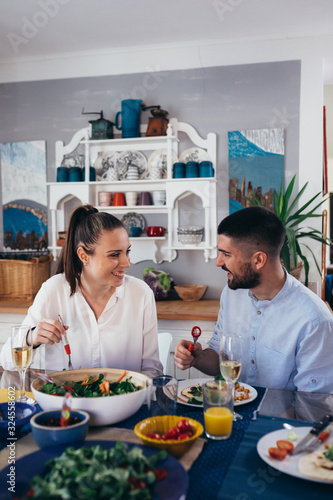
(248, 279)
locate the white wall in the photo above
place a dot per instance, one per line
(213, 99)
(310, 51)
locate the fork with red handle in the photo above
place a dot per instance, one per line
(66, 346)
(196, 332)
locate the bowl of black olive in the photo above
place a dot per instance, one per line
(47, 428)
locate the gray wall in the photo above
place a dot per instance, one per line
(215, 99)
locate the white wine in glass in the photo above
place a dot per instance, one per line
(230, 355)
(22, 357)
(230, 370)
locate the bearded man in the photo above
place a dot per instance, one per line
(287, 329)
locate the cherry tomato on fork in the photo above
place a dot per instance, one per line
(196, 332)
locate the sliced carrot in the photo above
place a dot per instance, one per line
(91, 381)
(122, 376)
(105, 387)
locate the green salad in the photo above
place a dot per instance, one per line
(329, 453)
(92, 387)
(94, 473)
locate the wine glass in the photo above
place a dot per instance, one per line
(230, 355)
(22, 357)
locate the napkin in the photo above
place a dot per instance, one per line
(27, 444)
(4, 395)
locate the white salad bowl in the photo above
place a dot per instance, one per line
(103, 410)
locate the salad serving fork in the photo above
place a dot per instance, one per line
(66, 346)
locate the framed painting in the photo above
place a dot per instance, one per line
(24, 198)
(256, 166)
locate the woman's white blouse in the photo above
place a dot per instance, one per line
(124, 336)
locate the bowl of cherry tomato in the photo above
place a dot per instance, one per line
(173, 434)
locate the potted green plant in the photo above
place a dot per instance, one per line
(292, 219)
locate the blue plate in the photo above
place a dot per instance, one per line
(173, 487)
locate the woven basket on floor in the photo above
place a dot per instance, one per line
(21, 279)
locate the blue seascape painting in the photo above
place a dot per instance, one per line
(24, 203)
(256, 166)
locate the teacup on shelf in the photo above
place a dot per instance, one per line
(104, 198)
(159, 197)
(110, 175)
(131, 198)
(155, 173)
(145, 198)
(132, 173)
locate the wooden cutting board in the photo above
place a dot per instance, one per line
(204, 310)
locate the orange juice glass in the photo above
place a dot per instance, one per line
(218, 405)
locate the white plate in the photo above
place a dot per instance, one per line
(194, 154)
(290, 464)
(131, 158)
(183, 384)
(104, 161)
(133, 219)
(159, 159)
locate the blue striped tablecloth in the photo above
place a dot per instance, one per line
(208, 471)
(250, 478)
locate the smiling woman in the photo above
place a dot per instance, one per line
(110, 318)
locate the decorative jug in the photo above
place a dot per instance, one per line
(130, 118)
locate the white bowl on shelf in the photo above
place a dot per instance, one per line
(190, 235)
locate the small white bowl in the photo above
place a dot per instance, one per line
(190, 235)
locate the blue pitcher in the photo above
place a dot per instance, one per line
(130, 118)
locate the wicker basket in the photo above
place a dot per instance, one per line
(21, 279)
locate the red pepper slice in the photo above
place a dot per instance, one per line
(68, 388)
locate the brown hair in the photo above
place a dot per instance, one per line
(255, 228)
(84, 230)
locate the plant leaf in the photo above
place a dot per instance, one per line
(296, 200)
(291, 238)
(314, 258)
(286, 198)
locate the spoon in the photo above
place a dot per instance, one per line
(52, 380)
(196, 332)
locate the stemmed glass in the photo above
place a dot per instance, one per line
(22, 357)
(230, 355)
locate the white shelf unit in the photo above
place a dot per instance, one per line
(61, 195)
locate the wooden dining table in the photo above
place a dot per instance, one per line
(231, 469)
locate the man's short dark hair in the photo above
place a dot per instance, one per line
(255, 228)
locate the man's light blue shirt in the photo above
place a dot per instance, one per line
(288, 340)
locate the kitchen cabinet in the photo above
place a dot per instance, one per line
(186, 198)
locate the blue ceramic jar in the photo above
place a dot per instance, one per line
(92, 174)
(192, 169)
(206, 169)
(62, 174)
(75, 174)
(178, 170)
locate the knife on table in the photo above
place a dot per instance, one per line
(312, 439)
